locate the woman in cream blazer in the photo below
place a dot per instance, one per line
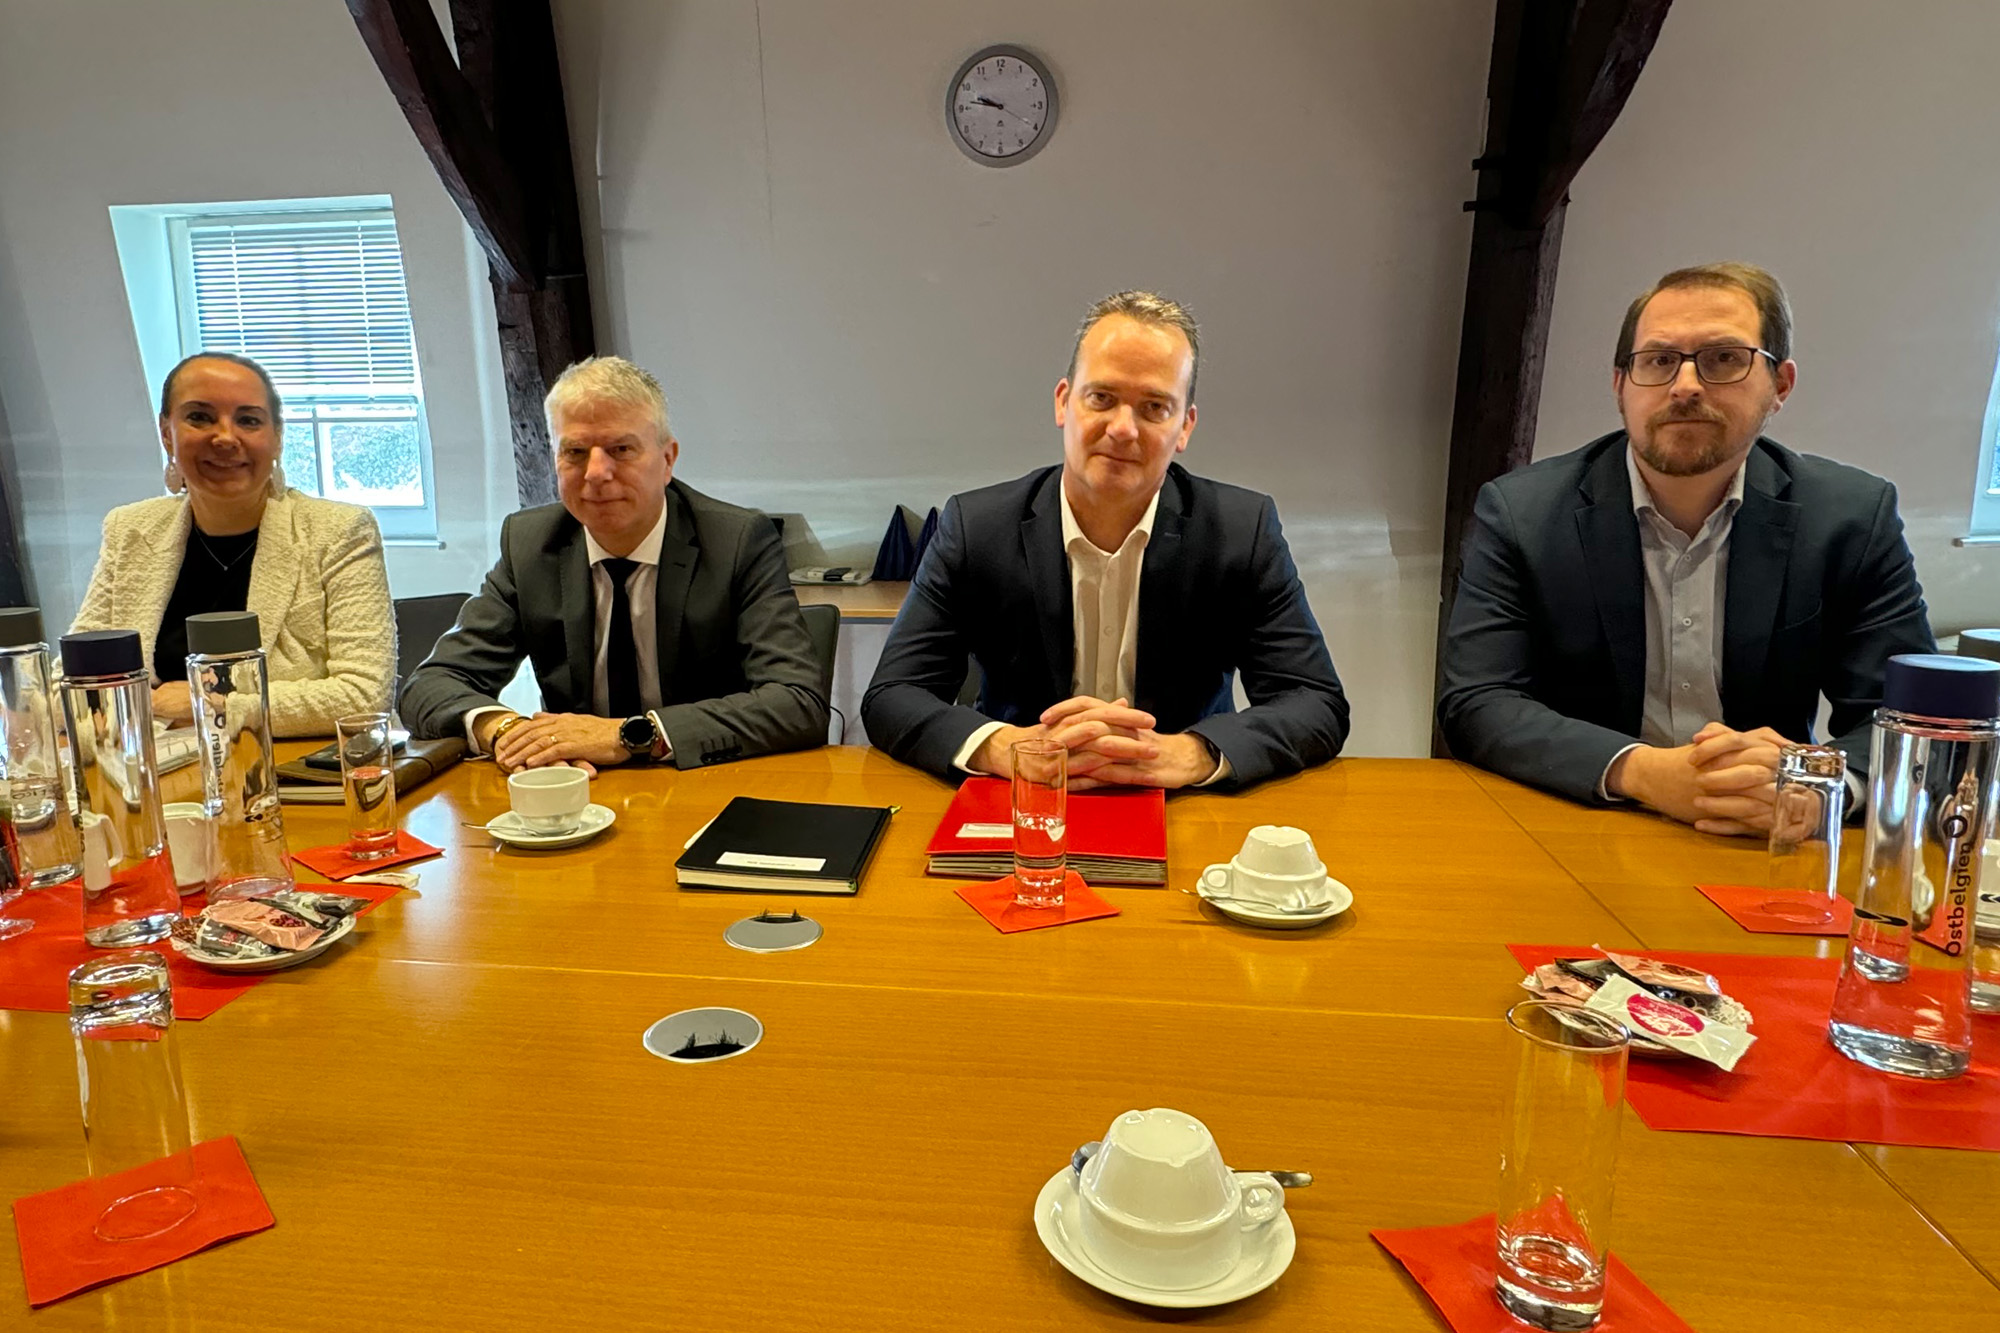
(317, 581)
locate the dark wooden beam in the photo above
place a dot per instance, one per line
(17, 583)
(1561, 72)
(495, 125)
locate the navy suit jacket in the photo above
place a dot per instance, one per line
(1217, 594)
(1544, 663)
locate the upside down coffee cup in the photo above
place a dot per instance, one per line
(1159, 1209)
(1278, 865)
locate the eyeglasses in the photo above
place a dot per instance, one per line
(1716, 365)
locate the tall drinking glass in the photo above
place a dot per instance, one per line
(1807, 810)
(121, 1013)
(228, 681)
(1559, 1164)
(1041, 823)
(368, 772)
(30, 756)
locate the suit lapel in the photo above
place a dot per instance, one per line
(274, 569)
(1048, 575)
(1163, 593)
(670, 587)
(1760, 548)
(579, 616)
(1609, 533)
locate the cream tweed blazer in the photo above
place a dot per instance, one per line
(317, 584)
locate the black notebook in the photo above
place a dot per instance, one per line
(784, 847)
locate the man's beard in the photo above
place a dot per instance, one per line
(1710, 453)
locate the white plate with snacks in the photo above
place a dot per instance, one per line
(278, 964)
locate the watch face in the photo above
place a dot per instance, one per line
(1001, 108)
(636, 734)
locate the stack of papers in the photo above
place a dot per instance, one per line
(1115, 837)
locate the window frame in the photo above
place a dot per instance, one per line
(398, 523)
(1986, 481)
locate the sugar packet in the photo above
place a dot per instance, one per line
(1669, 1024)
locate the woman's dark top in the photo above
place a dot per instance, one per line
(215, 576)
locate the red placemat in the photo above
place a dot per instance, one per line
(60, 1255)
(35, 967)
(995, 902)
(335, 863)
(1792, 1084)
(1455, 1267)
(1780, 911)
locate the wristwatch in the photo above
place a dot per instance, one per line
(640, 735)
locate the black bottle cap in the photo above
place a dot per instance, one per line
(1962, 689)
(102, 652)
(20, 626)
(217, 633)
(1982, 643)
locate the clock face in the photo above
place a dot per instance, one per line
(1001, 106)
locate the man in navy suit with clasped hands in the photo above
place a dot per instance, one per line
(1109, 602)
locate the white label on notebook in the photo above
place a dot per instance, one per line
(985, 831)
(752, 861)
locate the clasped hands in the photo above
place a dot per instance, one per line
(1110, 744)
(1723, 781)
(554, 740)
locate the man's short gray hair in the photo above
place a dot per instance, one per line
(1147, 308)
(607, 379)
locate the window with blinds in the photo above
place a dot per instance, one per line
(320, 302)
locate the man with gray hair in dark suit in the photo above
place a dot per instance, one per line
(660, 622)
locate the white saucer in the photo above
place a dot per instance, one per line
(1339, 899)
(278, 964)
(1264, 1261)
(509, 829)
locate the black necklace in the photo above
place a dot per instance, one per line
(226, 565)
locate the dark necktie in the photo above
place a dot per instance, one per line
(621, 651)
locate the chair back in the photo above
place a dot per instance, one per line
(420, 623)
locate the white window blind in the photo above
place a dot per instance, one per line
(321, 305)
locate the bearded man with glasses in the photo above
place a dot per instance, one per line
(1649, 618)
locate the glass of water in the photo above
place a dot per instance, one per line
(1041, 823)
(368, 774)
(1558, 1164)
(1808, 805)
(121, 1014)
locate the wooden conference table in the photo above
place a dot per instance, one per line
(457, 1128)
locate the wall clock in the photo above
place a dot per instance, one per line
(1001, 106)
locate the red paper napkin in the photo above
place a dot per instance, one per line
(61, 1255)
(335, 863)
(35, 967)
(1793, 1084)
(1455, 1267)
(995, 902)
(1780, 911)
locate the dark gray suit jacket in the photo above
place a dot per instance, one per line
(1217, 593)
(737, 672)
(1544, 663)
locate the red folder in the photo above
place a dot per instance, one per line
(1115, 837)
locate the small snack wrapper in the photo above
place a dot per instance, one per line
(266, 920)
(1674, 1026)
(1574, 981)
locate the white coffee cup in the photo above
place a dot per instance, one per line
(549, 800)
(1160, 1210)
(190, 843)
(102, 850)
(1277, 865)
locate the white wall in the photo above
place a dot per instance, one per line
(108, 102)
(848, 313)
(1854, 157)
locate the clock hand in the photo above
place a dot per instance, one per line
(1002, 109)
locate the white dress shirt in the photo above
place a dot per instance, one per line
(640, 587)
(1104, 620)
